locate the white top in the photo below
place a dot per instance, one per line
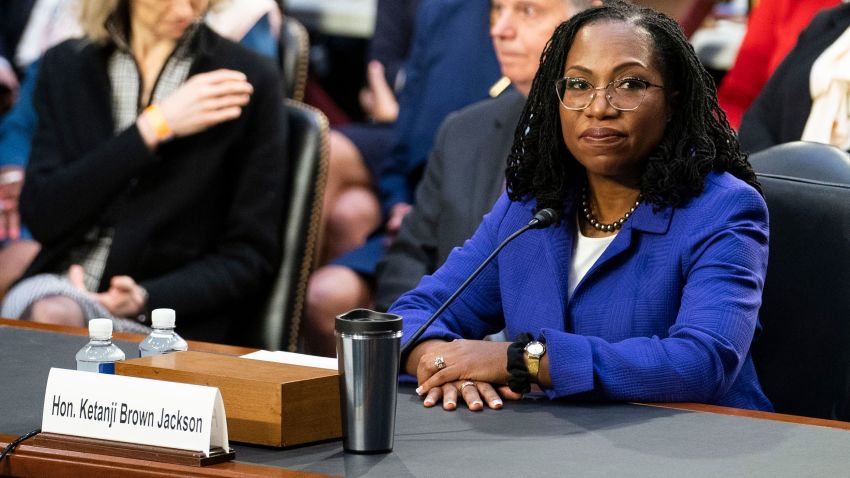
(586, 251)
(829, 85)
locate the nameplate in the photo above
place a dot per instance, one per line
(134, 410)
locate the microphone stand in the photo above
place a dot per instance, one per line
(544, 218)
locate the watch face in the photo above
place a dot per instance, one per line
(535, 349)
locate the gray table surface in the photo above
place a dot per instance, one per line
(534, 437)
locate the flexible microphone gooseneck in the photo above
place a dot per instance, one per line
(543, 219)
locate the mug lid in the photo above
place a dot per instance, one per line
(364, 321)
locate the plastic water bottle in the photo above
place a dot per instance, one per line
(100, 354)
(163, 339)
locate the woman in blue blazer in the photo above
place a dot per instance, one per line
(649, 287)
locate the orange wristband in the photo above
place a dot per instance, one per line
(157, 121)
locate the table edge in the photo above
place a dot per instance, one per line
(739, 412)
(194, 345)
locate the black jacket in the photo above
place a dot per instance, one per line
(197, 223)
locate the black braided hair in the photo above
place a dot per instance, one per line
(697, 140)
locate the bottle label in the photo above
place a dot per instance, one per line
(87, 366)
(99, 367)
(106, 368)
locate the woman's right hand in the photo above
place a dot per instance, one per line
(203, 101)
(477, 384)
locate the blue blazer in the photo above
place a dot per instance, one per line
(666, 314)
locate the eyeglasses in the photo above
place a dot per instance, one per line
(625, 94)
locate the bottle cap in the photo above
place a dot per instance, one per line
(100, 328)
(163, 318)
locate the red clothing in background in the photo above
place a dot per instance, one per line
(771, 33)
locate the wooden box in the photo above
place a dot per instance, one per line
(266, 403)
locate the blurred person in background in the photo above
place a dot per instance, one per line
(808, 96)
(351, 210)
(254, 23)
(772, 31)
(450, 42)
(469, 155)
(13, 19)
(156, 177)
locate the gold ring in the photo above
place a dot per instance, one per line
(439, 362)
(466, 384)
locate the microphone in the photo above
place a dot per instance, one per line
(543, 219)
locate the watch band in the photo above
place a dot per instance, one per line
(533, 367)
(534, 350)
(519, 380)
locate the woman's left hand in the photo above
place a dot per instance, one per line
(460, 360)
(124, 298)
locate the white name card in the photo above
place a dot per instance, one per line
(293, 359)
(134, 410)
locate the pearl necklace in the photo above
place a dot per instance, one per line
(591, 219)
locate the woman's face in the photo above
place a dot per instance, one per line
(166, 19)
(606, 141)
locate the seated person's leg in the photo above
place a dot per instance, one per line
(332, 290)
(355, 215)
(58, 309)
(51, 298)
(15, 257)
(346, 169)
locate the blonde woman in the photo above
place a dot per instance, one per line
(156, 176)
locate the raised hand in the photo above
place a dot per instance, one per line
(397, 213)
(378, 100)
(203, 101)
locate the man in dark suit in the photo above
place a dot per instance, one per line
(463, 177)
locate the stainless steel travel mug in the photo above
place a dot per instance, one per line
(367, 348)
